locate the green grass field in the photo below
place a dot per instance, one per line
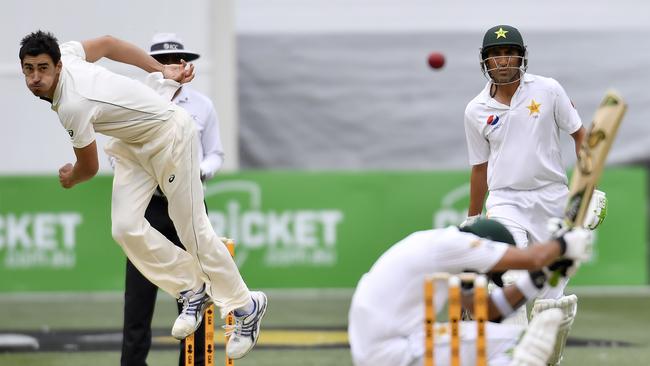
(602, 315)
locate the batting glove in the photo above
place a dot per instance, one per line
(469, 220)
(562, 268)
(565, 267)
(556, 227)
(596, 211)
(577, 244)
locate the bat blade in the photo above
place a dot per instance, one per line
(592, 156)
(591, 161)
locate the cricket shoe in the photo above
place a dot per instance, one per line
(244, 334)
(194, 305)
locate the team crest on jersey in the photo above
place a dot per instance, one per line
(533, 108)
(492, 120)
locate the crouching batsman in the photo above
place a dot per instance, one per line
(386, 316)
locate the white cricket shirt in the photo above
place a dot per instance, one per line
(392, 291)
(88, 99)
(206, 120)
(521, 142)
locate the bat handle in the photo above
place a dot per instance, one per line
(555, 278)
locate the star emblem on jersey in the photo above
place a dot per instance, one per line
(501, 33)
(533, 107)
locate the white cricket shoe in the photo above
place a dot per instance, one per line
(244, 334)
(194, 305)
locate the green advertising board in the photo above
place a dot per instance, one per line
(292, 229)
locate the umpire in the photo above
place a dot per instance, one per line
(139, 293)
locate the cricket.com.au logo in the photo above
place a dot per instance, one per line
(453, 207)
(283, 237)
(38, 239)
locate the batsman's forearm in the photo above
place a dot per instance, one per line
(543, 255)
(513, 296)
(578, 137)
(478, 189)
(477, 197)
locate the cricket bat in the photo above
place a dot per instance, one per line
(591, 160)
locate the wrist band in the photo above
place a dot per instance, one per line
(499, 300)
(562, 243)
(531, 284)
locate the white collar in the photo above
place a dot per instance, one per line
(56, 98)
(485, 97)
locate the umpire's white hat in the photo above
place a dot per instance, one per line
(170, 43)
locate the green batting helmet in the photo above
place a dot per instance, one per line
(492, 230)
(502, 35)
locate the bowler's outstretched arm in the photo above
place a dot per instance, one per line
(120, 51)
(84, 168)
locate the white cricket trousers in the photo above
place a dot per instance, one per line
(169, 160)
(526, 215)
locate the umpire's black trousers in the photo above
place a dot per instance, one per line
(140, 300)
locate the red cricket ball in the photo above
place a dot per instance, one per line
(436, 60)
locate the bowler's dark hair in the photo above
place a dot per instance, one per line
(40, 42)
